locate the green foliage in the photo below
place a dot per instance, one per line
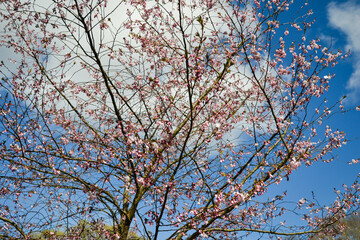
(47, 234)
(84, 230)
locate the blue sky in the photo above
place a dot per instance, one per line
(337, 23)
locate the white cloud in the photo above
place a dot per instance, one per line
(346, 17)
(328, 39)
(115, 16)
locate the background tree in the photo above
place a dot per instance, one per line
(345, 229)
(348, 228)
(172, 118)
(82, 230)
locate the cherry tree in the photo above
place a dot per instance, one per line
(164, 119)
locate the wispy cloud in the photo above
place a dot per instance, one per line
(346, 17)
